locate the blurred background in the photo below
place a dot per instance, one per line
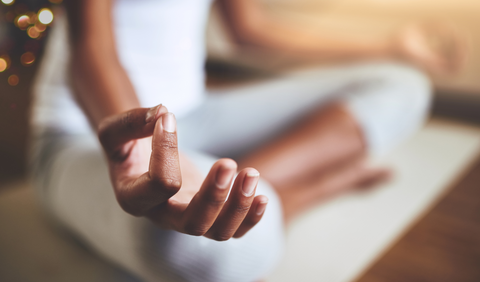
(438, 242)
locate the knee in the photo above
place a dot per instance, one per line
(249, 258)
(204, 260)
(401, 96)
(410, 89)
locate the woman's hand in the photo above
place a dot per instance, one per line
(149, 183)
(438, 48)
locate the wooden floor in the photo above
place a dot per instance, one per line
(444, 246)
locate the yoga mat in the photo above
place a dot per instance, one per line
(339, 240)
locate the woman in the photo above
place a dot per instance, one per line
(306, 132)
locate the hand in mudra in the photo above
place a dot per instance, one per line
(149, 182)
(439, 48)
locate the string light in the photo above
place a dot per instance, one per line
(8, 2)
(27, 58)
(33, 32)
(13, 80)
(34, 24)
(40, 27)
(45, 16)
(3, 65)
(7, 61)
(23, 22)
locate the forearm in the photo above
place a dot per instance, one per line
(321, 44)
(252, 26)
(101, 85)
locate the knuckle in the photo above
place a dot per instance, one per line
(170, 186)
(241, 209)
(102, 132)
(222, 236)
(239, 236)
(128, 208)
(169, 145)
(195, 229)
(214, 200)
(127, 119)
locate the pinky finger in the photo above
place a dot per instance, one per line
(254, 215)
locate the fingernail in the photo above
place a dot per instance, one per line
(261, 207)
(250, 182)
(224, 177)
(152, 114)
(169, 123)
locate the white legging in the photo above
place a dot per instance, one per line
(389, 101)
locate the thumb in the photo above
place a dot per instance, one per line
(115, 132)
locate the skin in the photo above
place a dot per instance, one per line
(151, 178)
(147, 173)
(321, 157)
(436, 47)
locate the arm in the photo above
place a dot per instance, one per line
(146, 174)
(416, 43)
(251, 25)
(101, 85)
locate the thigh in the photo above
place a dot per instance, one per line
(80, 196)
(232, 122)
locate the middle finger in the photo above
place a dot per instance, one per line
(236, 207)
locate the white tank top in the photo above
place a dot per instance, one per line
(161, 46)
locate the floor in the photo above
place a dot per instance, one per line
(340, 240)
(33, 249)
(443, 246)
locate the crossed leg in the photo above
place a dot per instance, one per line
(309, 132)
(322, 158)
(390, 104)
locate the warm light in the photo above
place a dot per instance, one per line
(45, 16)
(32, 16)
(27, 58)
(40, 27)
(33, 32)
(23, 22)
(7, 60)
(3, 65)
(13, 80)
(8, 2)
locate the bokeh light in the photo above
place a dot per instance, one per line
(23, 22)
(40, 27)
(8, 2)
(3, 65)
(13, 80)
(45, 16)
(7, 60)
(27, 58)
(32, 16)
(33, 32)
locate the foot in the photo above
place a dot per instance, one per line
(352, 177)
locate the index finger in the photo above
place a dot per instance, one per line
(115, 131)
(163, 179)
